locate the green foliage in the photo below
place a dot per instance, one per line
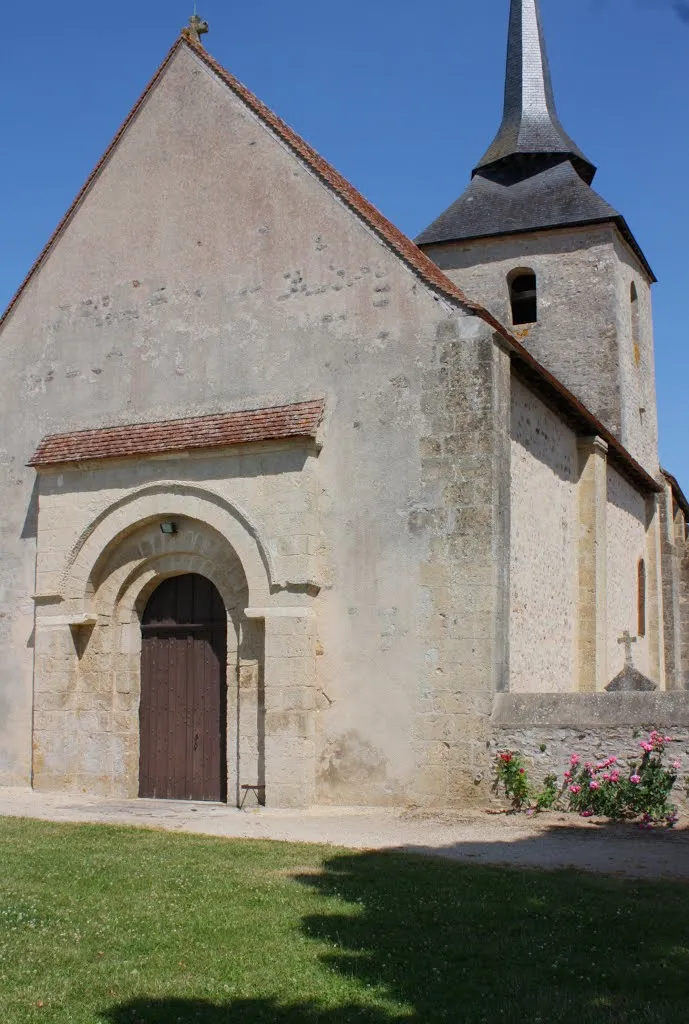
(510, 772)
(547, 797)
(603, 789)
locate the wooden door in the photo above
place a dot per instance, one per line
(182, 715)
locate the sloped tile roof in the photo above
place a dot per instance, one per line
(198, 432)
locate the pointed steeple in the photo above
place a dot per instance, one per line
(530, 131)
(533, 176)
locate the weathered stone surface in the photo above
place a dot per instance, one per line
(630, 680)
(450, 535)
(584, 329)
(585, 711)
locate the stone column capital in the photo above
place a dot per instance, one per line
(593, 443)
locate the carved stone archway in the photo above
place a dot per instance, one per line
(88, 658)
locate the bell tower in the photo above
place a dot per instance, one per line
(531, 240)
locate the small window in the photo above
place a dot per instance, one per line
(523, 301)
(641, 594)
(634, 302)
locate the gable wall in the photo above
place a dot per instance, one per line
(208, 270)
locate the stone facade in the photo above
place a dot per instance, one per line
(169, 294)
(584, 334)
(544, 556)
(626, 547)
(459, 528)
(100, 555)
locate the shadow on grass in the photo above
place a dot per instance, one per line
(240, 1011)
(453, 942)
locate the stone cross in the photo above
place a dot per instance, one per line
(627, 639)
(197, 27)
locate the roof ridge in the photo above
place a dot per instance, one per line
(376, 220)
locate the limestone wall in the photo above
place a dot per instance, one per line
(684, 614)
(626, 545)
(639, 431)
(543, 547)
(181, 287)
(100, 553)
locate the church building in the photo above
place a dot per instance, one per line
(295, 510)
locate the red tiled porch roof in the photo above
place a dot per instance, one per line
(197, 432)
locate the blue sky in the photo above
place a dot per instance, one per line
(403, 97)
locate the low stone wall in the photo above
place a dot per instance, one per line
(548, 728)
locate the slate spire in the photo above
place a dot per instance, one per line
(533, 176)
(530, 131)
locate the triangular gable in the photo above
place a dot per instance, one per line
(402, 246)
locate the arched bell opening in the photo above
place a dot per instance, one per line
(523, 296)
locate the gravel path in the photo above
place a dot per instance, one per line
(548, 841)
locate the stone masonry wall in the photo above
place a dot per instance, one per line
(543, 547)
(639, 431)
(684, 614)
(626, 545)
(87, 677)
(180, 287)
(583, 333)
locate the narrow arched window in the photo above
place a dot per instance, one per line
(523, 299)
(634, 303)
(641, 597)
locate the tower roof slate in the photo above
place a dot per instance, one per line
(533, 176)
(530, 125)
(555, 196)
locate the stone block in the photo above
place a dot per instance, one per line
(432, 727)
(289, 645)
(296, 671)
(291, 723)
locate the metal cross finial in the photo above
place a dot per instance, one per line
(627, 639)
(197, 27)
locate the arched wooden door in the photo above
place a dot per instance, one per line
(183, 712)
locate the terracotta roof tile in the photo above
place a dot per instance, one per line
(220, 430)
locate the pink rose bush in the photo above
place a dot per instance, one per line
(644, 793)
(602, 788)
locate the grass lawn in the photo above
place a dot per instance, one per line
(105, 925)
